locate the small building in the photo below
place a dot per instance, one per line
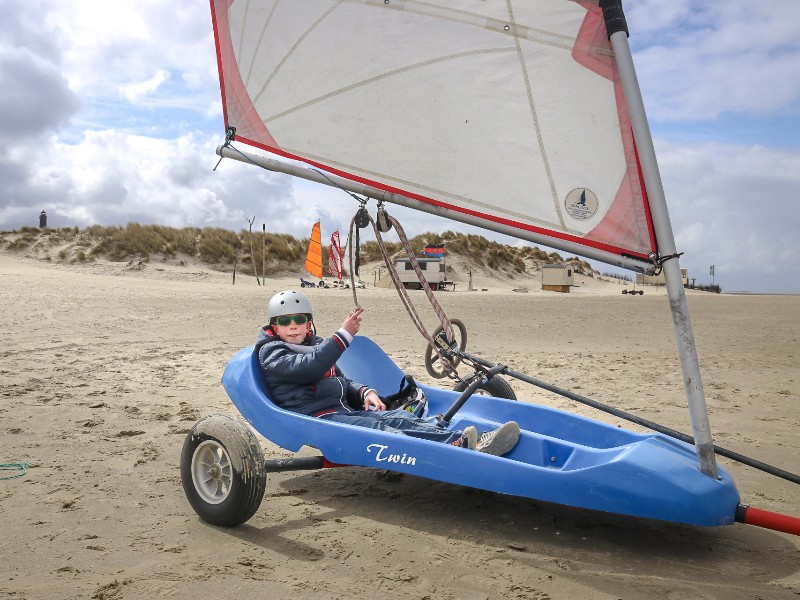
(558, 277)
(432, 268)
(42, 220)
(660, 279)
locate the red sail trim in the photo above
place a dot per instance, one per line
(217, 35)
(237, 107)
(630, 205)
(646, 201)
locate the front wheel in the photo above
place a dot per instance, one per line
(222, 470)
(496, 386)
(432, 363)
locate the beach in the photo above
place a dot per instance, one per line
(106, 367)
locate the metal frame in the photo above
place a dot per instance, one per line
(687, 351)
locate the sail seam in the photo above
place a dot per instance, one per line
(291, 50)
(260, 39)
(470, 202)
(386, 75)
(535, 118)
(464, 17)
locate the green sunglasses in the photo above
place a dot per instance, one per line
(286, 320)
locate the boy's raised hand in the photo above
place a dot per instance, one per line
(353, 321)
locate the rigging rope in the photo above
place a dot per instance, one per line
(387, 222)
(19, 466)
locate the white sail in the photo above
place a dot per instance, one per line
(508, 114)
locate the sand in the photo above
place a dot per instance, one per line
(105, 367)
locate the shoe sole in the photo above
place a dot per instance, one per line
(505, 438)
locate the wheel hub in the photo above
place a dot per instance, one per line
(212, 474)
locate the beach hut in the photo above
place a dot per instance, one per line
(660, 279)
(434, 271)
(558, 277)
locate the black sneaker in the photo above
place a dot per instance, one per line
(500, 441)
(468, 439)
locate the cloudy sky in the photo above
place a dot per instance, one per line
(110, 113)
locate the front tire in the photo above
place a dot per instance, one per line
(222, 470)
(432, 357)
(496, 386)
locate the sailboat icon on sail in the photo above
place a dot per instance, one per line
(581, 204)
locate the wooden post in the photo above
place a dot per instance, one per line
(264, 254)
(252, 256)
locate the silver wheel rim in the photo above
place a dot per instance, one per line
(212, 474)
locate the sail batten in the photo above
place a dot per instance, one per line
(500, 117)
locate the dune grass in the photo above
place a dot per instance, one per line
(254, 252)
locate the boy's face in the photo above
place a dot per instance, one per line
(292, 333)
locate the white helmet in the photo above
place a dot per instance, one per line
(288, 303)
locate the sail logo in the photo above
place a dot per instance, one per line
(382, 455)
(581, 204)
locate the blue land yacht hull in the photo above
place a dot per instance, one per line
(561, 457)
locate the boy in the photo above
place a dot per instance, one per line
(302, 376)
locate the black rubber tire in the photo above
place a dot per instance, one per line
(430, 354)
(496, 386)
(624, 291)
(222, 470)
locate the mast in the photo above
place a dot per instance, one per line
(618, 35)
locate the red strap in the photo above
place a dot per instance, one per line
(324, 412)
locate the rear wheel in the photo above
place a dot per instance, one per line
(496, 386)
(222, 470)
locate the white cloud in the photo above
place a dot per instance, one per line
(734, 207)
(697, 60)
(116, 178)
(135, 92)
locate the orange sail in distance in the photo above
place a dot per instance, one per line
(314, 255)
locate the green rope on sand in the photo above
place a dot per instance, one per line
(20, 466)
